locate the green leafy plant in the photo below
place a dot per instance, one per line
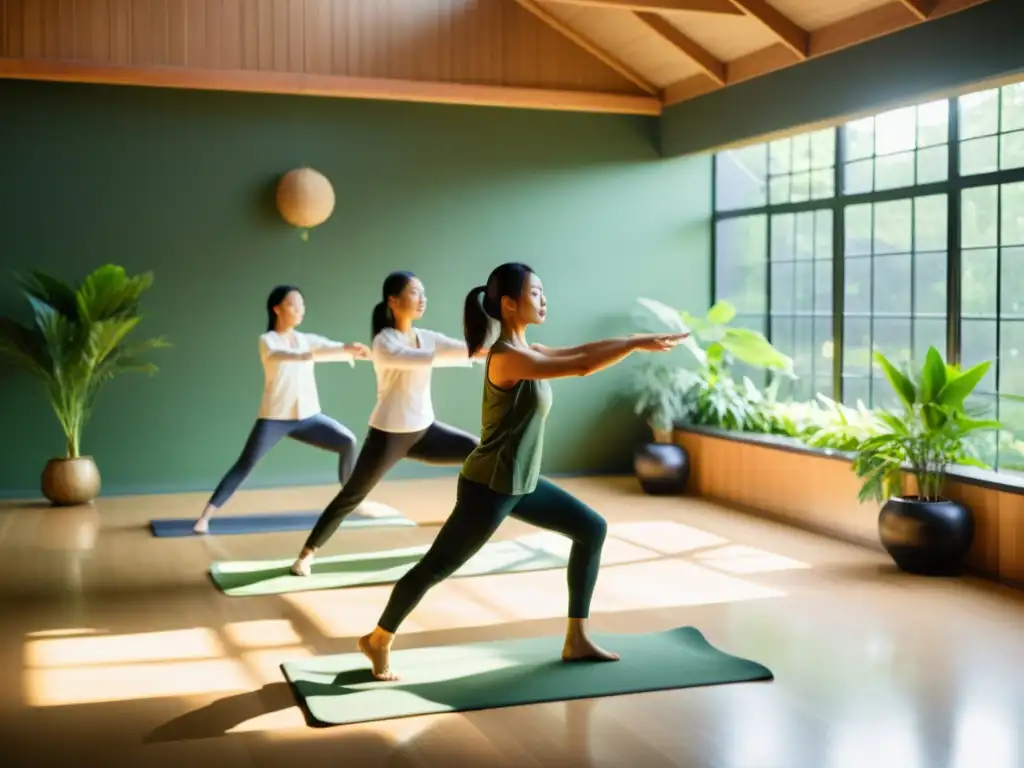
(707, 395)
(76, 341)
(928, 433)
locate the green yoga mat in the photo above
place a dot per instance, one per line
(336, 690)
(273, 577)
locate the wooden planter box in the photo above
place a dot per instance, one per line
(794, 483)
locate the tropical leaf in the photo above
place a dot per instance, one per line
(959, 388)
(933, 375)
(752, 348)
(903, 386)
(721, 313)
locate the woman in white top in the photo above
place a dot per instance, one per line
(402, 423)
(291, 404)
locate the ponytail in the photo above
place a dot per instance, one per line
(476, 322)
(382, 318)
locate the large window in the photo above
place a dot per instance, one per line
(891, 233)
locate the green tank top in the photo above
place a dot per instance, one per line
(512, 435)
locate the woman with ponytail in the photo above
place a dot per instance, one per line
(291, 403)
(501, 477)
(402, 424)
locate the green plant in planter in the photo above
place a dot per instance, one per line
(924, 532)
(74, 345)
(707, 395)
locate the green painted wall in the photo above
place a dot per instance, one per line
(181, 183)
(937, 58)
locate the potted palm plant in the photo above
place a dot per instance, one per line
(924, 532)
(75, 343)
(667, 392)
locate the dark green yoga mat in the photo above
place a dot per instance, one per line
(336, 690)
(273, 577)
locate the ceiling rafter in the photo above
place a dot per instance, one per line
(694, 51)
(791, 35)
(867, 25)
(920, 8)
(660, 6)
(589, 46)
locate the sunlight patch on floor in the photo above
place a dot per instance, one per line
(175, 645)
(263, 633)
(125, 682)
(737, 558)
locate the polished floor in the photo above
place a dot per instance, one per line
(116, 650)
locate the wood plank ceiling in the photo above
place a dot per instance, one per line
(621, 56)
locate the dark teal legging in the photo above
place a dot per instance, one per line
(478, 513)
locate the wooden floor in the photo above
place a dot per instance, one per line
(116, 649)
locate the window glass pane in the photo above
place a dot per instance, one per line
(1011, 284)
(1012, 108)
(978, 344)
(895, 131)
(856, 390)
(978, 282)
(856, 346)
(979, 156)
(741, 178)
(741, 268)
(859, 138)
(930, 284)
(893, 227)
(857, 285)
(933, 123)
(822, 286)
(979, 211)
(780, 186)
(823, 149)
(859, 177)
(930, 223)
(823, 184)
(823, 234)
(892, 284)
(783, 234)
(782, 288)
(979, 113)
(929, 333)
(932, 164)
(1012, 214)
(801, 153)
(801, 189)
(1011, 151)
(858, 230)
(804, 236)
(894, 171)
(779, 153)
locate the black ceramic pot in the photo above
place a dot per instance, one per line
(930, 538)
(661, 468)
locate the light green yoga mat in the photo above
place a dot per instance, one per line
(272, 577)
(339, 689)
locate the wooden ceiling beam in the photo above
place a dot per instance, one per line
(330, 86)
(589, 46)
(794, 37)
(695, 52)
(876, 22)
(724, 7)
(920, 8)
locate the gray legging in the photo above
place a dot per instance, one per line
(438, 444)
(318, 430)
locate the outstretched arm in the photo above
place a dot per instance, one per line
(328, 351)
(452, 353)
(513, 364)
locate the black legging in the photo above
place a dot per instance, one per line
(437, 444)
(478, 513)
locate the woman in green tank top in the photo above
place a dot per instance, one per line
(501, 477)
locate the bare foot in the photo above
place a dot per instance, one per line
(301, 567)
(202, 526)
(581, 648)
(379, 654)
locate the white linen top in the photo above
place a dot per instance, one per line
(289, 391)
(403, 377)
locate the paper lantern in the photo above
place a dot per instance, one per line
(305, 199)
